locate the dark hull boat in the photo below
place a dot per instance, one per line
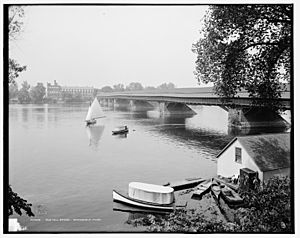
(230, 196)
(120, 130)
(202, 188)
(216, 191)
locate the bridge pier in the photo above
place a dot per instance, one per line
(171, 108)
(140, 106)
(254, 118)
(122, 104)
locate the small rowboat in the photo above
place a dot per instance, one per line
(202, 188)
(184, 184)
(216, 191)
(122, 198)
(120, 130)
(230, 196)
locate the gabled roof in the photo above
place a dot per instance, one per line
(268, 151)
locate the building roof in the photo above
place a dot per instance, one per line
(268, 151)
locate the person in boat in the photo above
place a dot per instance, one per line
(126, 128)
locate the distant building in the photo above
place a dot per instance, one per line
(56, 91)
(267, 154)
(85, 92)
(53, 91)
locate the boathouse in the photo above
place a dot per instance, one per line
(267, 154)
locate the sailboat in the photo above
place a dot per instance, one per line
(94, 113)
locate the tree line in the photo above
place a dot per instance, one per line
(135, 86)
(27, 93)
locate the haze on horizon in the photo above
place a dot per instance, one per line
(107, 45)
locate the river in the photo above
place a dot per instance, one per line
(68, 171)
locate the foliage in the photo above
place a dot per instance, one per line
(245, 47)
(14, 69)
(267, 209)
(23, 95)
(15, 16)
(149, 88)
(37, 93)
(118, 87)
(134, 86)
(13, 90)
(166, 86)
(17, 204)
(107, 89)
(70, 97)
(183, 220)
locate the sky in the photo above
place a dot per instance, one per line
(106, 45)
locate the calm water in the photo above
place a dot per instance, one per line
(68, 171)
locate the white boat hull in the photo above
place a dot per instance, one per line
(118, 197)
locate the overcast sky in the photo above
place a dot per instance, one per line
(106, 45)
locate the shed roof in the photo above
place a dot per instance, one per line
(268, 151)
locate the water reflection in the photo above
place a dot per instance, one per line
(94, 134)
(121, 136)
(178, 128)
(25, 113)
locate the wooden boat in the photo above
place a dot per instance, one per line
(120, 130)
(151, 193)
(122, 198)
(185, 184)
(230, 196)
(94, 112)
(149, 196)
(202, 188)
(216, 190)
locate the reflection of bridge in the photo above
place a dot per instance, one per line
(175, 101)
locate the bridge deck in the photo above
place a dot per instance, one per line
(198, 96)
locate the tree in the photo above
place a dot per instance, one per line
(107, 89)
(14, 69)
(15, 15)
(149, 88)
(166, 86)
(245, 47)
(17, 204)
(23, 95)
(37, 93)
(134, 86)
(119, 87)
(13, 90)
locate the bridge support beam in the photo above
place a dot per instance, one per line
(254, 118)
(140, 106)
(170, 108)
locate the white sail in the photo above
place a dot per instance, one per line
(94, 111)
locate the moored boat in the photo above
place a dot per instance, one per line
(123, 198)
(185, 183)
(216, 190)
(120, 130)
(230, 196)
(202, 188)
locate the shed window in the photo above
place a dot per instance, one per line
(238, 155)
